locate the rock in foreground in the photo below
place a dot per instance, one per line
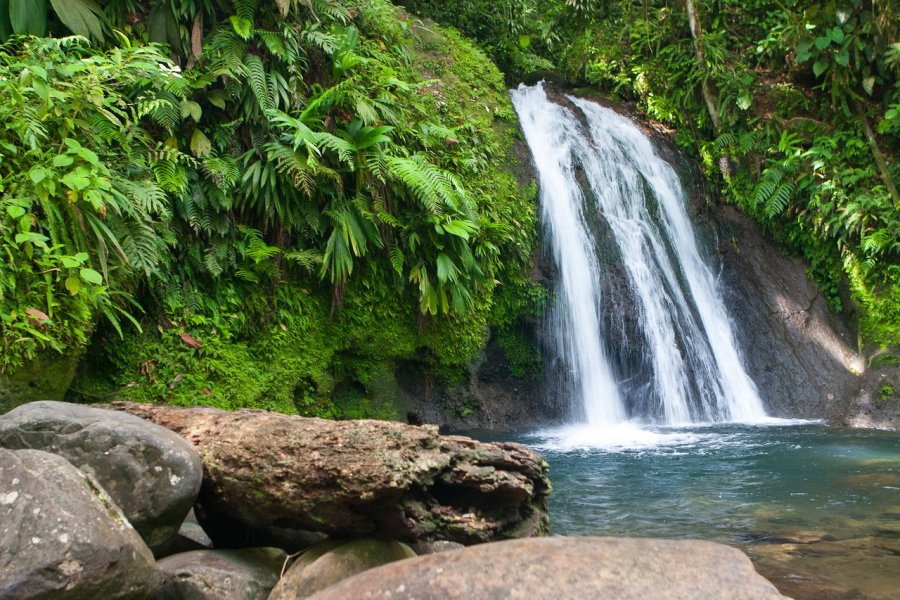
(61, 536)
(330, 561)
(152, 474)
(248, 574)
(571, 568)
(359, 478)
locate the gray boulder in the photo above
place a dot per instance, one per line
(571, 568)
(61, 535)
(331, 561)
(248, 574)
(153, 474)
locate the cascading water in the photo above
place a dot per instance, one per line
(597, 168)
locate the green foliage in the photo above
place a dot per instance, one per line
(76, 223)
(885, 395)
(802, 97)
(338, 201)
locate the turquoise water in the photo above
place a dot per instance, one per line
(817, 509)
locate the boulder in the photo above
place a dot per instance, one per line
(423, 547)
(329, 562)
(150, 472)
(248, 574)
(571, 568)
(359, 478)
(62, 536)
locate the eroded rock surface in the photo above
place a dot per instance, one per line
(571, 568)
(359, 478)
(151, 473)
(62, 536)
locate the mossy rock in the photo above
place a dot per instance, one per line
(330, 561)
(47, 377)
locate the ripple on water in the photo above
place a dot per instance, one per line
(816, 509)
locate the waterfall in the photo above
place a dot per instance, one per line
(601, 176)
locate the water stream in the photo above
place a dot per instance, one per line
(599, 172)
(676, 443)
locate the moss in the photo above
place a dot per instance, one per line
(46, 377)
(885, 395)
(283, 349)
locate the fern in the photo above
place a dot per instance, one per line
(256, 78)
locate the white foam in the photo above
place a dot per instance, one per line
(633, 436)
(628, 436)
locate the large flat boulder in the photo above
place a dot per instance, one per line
(359, 478)
(151, 473)
(62, 536)
(572, 568)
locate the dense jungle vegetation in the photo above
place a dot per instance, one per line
(255, 202)
(793, 106)
(271, 197)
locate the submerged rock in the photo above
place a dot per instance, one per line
(359, 478)
(62, 536)
(327, 563)
(151, 473)
(248, 574)
(576, 568)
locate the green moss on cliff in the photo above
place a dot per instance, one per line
(282, 346)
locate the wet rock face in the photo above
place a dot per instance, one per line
(800, 355)
(151, 473)
(359, 478)
(62, 536)
(554, 568)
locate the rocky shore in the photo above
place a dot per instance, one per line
(97, 503)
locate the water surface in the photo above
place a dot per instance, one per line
(817, 509)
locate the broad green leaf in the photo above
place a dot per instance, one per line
(868, 85)
(31, 236)
(74, 181)
(446, 270)
(94, 198)
(217, 98)
(819, 67)
(91, 276)
(72, 262)
(62, 160)
(843, 58)
(73, 285)
(822, 42)
(37, 174)
(456, 228)
(82, 17)
(15, 211)
(88, 155)
(837, 35)
(744, 101)
(191, 109)
(200, 145)
(28, 16)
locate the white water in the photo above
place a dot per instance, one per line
(695, 369)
